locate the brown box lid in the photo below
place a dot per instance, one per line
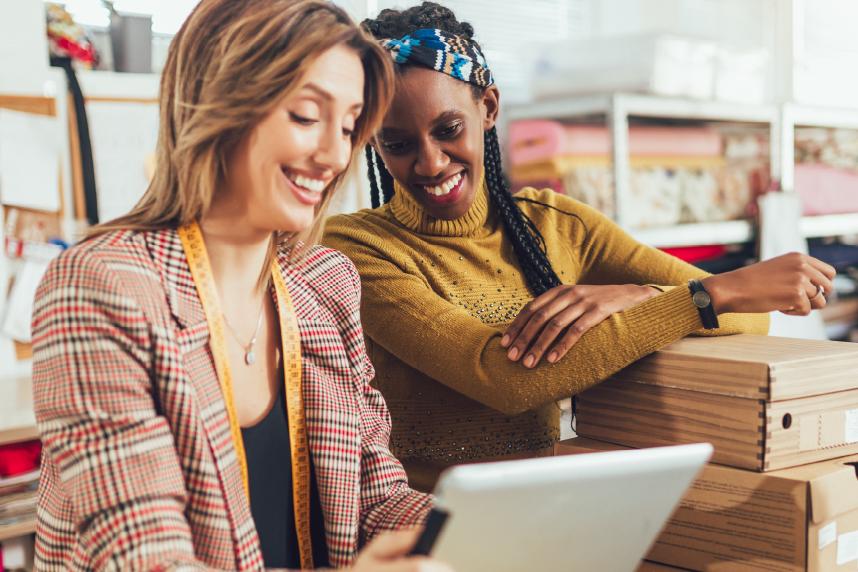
(832, 484)
(755, 367)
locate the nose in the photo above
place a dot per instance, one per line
(334, 149)
(431, 160)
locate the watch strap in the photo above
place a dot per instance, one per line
(703, 302)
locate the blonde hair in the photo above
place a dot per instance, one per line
(229, 65)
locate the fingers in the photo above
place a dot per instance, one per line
(555, 328)
(826, 269)
(799, 303)
(387, 553)
(815, 281)
(512, 332)
(392, 544)
(588, 320)
(820, 286)
(534, 318)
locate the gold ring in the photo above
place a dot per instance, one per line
(820, 291)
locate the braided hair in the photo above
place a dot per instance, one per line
(527, 242)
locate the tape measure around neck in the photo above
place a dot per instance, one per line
(198, 261)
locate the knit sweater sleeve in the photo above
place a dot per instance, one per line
(405, 316)
(609, 255)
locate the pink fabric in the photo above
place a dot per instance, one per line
(826, 190)
(540, 140)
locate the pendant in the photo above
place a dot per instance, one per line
(249, 357)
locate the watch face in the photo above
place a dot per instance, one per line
(701, 299)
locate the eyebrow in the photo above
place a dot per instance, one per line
(326, 95)
(442, 117)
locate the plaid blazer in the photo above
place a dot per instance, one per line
(139, 470)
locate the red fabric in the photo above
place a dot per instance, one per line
(697, 253)
(19, 458)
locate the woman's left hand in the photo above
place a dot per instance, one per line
(561, 315)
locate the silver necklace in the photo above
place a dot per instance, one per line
(249, 354)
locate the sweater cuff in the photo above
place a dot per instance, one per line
(664, 319)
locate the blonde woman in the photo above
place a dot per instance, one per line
(200, 380)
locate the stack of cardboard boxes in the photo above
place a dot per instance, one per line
(781, 493)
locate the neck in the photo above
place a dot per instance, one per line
(237, 252)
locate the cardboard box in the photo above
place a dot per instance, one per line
(799, 519)
(765, 403)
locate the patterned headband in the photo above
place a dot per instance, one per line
(435, 49)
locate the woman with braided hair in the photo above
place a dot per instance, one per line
(483, 308)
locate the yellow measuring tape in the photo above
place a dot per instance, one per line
(198, 260)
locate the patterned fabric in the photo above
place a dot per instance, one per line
(435, 49)
(139, 472)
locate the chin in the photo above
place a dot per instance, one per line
(292, 227)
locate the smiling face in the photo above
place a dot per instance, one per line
(431, 139)
(280, 171)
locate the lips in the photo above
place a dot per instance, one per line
(445, 186)
(306, 189)
(446, 191)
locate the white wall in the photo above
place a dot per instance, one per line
(23, 47)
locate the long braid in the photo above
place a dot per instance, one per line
(527, 241)
(373, 182)
(386, 179)
(373, 164)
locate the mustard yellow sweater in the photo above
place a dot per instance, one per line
(437, 296)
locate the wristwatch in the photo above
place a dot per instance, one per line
(701, 299)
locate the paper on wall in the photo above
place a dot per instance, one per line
(7, 347)
(29, 160)
(123, 135)
(16, 323)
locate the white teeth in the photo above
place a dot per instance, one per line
(445, 187)
(314, 185)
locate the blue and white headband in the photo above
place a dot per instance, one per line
(435, 49)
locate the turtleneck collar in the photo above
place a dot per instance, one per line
(410, 214)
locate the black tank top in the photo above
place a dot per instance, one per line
(269, 468)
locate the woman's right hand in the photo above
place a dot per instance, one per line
(388, 553)
(788, 283)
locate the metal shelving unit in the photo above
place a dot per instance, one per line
(794, 115)
(781, 120)
(829, 225)
(726, 232)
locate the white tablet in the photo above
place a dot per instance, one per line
(589, 512)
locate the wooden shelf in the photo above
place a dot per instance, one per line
(693, 234)
(829, 225)
(22, 528)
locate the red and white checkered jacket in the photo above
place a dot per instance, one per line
(139, 470)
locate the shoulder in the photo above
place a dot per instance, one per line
(324, 272)
(548, 201)
(367, 226)
(549, 209)
(107, 258)
(107, 274)
(117, 265)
